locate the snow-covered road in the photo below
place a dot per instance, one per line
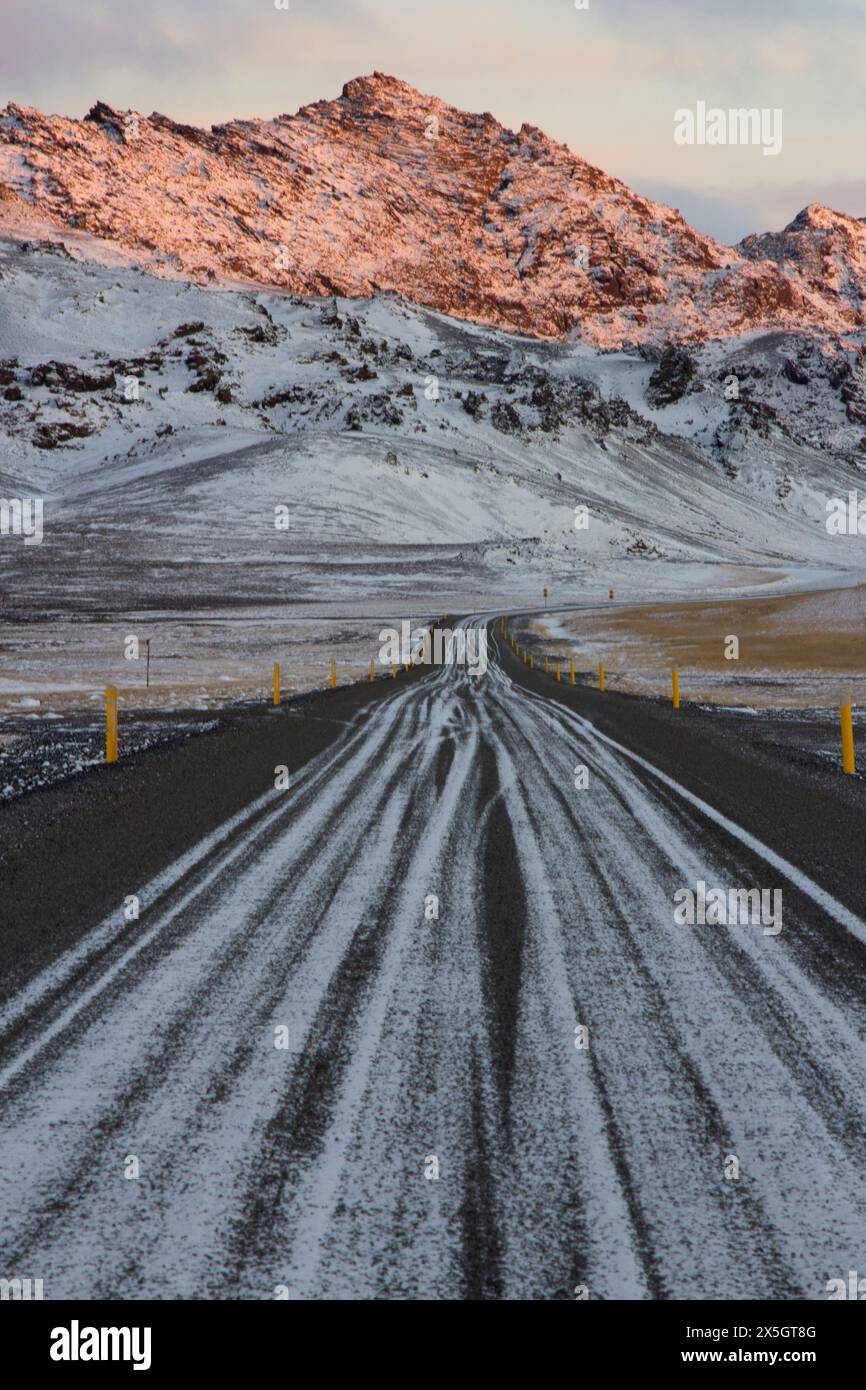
(432, 1130)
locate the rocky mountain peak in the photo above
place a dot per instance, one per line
(388, 189)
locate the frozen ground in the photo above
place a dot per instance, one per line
(44, 754)
(797, 648)
(245, 477)
(199, 660)
(331, 1093)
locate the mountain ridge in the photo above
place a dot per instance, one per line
(387, 189)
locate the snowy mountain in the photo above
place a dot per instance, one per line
(824, 252)
(388, 189)
(170, 411)
(422, 464)
(702, 404)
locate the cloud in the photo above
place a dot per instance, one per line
(605, 81)
(730, 216)
(95, 47)
(665, 16)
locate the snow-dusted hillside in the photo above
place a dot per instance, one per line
(205, 453)
(823, 251)
(128, 396)
(391, 189)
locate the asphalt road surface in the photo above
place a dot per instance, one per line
(290, 1075)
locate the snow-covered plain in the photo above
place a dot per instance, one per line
(246, 477)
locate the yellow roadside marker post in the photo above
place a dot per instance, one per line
(276, 682)
(847, 738)
(572, 670)
(675, 687)
(393, 670)
(333, 673)
(546, 667)
(601, 675)
(372, 673)
(110, 724)
(557, 670)
(532, 663)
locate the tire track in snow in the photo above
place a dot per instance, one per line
(455, 1038)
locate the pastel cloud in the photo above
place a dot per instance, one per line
(606, 81)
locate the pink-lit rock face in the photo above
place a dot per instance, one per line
(388, 189)
(824, 252)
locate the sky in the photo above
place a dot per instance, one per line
(606, 80)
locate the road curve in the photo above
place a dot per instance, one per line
(422, 1045)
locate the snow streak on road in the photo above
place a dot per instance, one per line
(304, 1168)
